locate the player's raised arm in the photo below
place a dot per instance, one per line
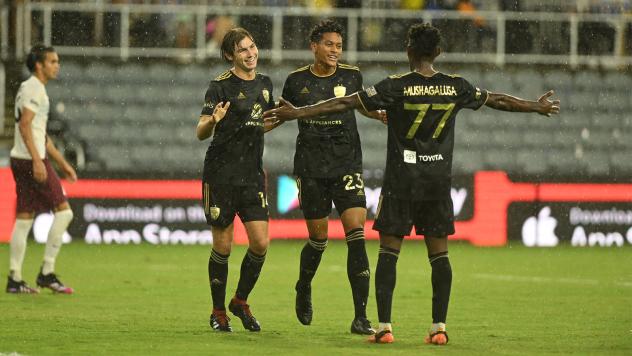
(206, 125)
(287, 111)
(542, 106)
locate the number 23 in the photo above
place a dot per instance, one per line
(348, 179)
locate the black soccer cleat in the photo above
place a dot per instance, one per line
(51, 282)
(220, 321)
(303, 304)
(361, 326)
(15, 287)
(241, 309)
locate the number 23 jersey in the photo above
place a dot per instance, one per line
(421, 120)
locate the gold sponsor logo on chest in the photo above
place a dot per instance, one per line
(340, 90)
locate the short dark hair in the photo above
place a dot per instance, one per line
(232, 39)
(37, 54)
(324, 26)
(423, 39)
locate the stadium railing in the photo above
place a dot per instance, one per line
(550, 38)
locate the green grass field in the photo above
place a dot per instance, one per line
(155, 300)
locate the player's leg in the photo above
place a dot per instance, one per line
(219, 212)
(15, 282)
(385, 278)
(253, 211)
(441, 285)
(393, 222)
(315, 202)
(435, 220)
(254, 258)
(53, 194)
(25, 188)
(218, 275)
(350, 201)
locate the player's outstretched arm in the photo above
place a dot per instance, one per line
(269, 125)
(206, 125)
(542, 106)
(287, 111)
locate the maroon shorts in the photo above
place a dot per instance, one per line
(34, 196)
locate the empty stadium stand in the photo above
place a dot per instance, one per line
(138, 116)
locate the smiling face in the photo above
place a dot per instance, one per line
(328, 50)
(245, 55)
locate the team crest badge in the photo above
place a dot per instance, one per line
(340, 90)
(257, 112)
(214, 212)
(266, 95)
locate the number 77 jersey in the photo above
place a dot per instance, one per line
(421, 121)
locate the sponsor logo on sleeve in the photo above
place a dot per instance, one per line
(370, 91)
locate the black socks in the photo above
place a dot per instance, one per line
(385, 276)
(358, 270)
(441, 285)
(217, 276)
(250, 270)
(310, 259)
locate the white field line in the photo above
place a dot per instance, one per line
(577, 281)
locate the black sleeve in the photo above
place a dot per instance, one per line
(270, 99)
(381, 95)
(213, 97)
(471, 97)
(360, 81)
(288, 92)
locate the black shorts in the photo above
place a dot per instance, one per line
(316, 194)
(223, 202)
(430, 217)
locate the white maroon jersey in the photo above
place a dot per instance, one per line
(31, 95)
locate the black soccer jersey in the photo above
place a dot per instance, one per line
(235, 154)
(326, 146)
(421, 119)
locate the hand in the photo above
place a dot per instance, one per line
(39, 171)
(380, 115)
(220, 111)
(69, 173)
(548, 107)
(284, 112)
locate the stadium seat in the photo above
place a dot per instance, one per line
(158, 104)
(467, 160)
(533, 161)
(597, 163)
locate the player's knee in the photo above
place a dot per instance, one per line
(223, 247)
(320, 237)
(259, 246)
(391, 241)
(65, 215)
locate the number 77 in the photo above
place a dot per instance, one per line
(423, 109)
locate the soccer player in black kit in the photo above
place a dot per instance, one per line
(233, 181)
(421, 106)
(328, 167)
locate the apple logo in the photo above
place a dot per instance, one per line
(540, 230)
